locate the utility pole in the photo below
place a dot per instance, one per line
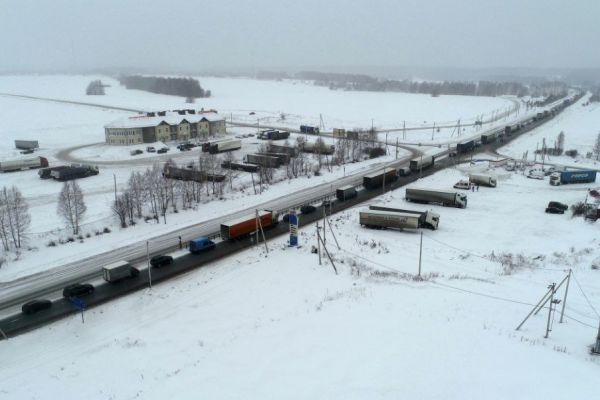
(148, 263)
(318, 243)
(432, 130)
(420, 254)
(562, 311)
(596, 348)
(324, 227)
(115, 179)
(383, 179)
(403, 130)
(551, 287)
(386, 144)
(396, 148)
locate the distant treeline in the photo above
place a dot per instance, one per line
(340, 81)
(186, 87)
(595, 95)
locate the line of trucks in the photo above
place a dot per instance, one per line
(60, 173)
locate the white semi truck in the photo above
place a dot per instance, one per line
(380, 219)
(445, 198)
(427, 219)
(483, 180)
(23, 163)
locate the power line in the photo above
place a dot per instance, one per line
(585, 296)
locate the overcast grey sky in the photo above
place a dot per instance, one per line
(196, 35)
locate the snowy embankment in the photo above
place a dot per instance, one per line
(281, 326)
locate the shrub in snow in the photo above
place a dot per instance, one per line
(577, 209)
(70, 239)
(106, 230)
(572, 153)
(88, 235)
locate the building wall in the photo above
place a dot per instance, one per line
(164, 132)
(123, 136)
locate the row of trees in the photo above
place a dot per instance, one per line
(186, 87)
(15, 217)
(480, 88)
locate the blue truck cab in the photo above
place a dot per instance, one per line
(201, 244)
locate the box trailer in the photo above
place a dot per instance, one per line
(284, 158)
(489, 137)
(118, 271)
(263, 160)
(27, 144)
(346, 192)
(312, 130)
(376, 180)
(227, 145)
(564, 177)
(23, 163)
(465, 147)
(483, 180)
(240, 166)
(388, 219)
(243, 226)
(278, 148)
(322, 148)
(74, 172)
(432, 196)
(427, 219)
(339, 132)
(422, 162)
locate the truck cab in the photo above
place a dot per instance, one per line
(461, 200)
(201, 244)
(555, 179)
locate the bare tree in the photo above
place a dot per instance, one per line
(137, 191)
(119, 208)
(14, 217)
(71, 205)
(596, 149)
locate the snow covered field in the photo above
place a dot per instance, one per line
(61, 126)
(300, 102)
(281, 326)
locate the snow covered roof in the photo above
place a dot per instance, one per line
(171, 118)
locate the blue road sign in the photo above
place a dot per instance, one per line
(293, 228)
(77, 303)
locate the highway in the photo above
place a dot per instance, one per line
(50, 282)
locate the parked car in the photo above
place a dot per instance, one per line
(150, 149)
(136, 152)
(462, 185)
(78, 289)
(555, 210)
(307, 209)
(536, 174)
(35, 306)
(556, 204)
(28, 151)
(161, 261)
(162, 150)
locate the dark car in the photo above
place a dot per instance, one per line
(161, 261)
(308, 209)
(28, 151)
(162, 150)
(78, 289)
(556, 204)
(554, 210)
(36, 305)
